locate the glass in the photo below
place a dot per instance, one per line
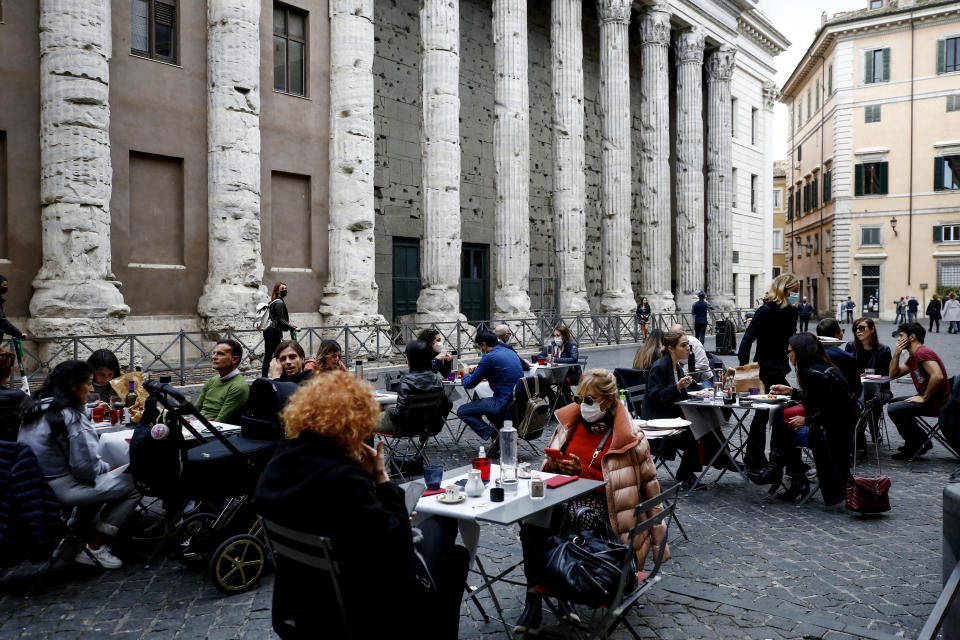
(537, 489)
(163, 39)
(295, 25)
(99, 413)
(279, 64)
(483, 464)
(140, 25)
(295, 61)
(508, 457)
(116, 402)
(432, 476)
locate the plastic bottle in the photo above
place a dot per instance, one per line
(508, 457)
(623, 401)
(729, 389)
(359, 369)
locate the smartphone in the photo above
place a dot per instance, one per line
(412, 495)
(553, 454)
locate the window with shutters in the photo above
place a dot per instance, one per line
(946, 173)
(817, 91)
(809, 245)
(809, 103)
(799, 152)
(289, 50)
(953, 103)
(948, 273)
(946, 233)
(830, 81)
(871, 114)
(790, 206)
(948, 55)
(827, 240)
(799, 113)
(828, 186)
(876, 65)
(869, 236)
(153, 29)
(870, 178)
(815, 193)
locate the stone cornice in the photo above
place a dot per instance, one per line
(689, 46)
(614, 11)
(754, 25)
(770, 94)
(721, 63)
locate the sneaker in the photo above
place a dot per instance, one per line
(98, 558)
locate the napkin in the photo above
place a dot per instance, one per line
(559, 481)
(433, 492)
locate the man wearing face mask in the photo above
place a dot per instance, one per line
(5, 325)
(500, 367)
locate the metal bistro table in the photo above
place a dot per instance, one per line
(515, 508)
(706, 416)
(554, 375)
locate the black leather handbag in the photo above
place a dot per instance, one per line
(584, 568)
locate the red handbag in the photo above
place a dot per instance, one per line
(868, 495)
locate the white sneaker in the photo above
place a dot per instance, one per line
(98, 558)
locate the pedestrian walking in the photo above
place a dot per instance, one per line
(912, 308)
(279, 321)
(901, 308)
(849, 306)
(643, 316)
(5, 325)
(951, 313)
(933, 312)
(700, 309)
(805, 310)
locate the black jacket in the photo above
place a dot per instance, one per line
(6, 326)
(279, 318)
(311, 485)
(662, 395)
(876, 359)
(848, 367)
(770, 328)
(30, 522)
(805, 309)
(10, 401)
(933, 309)
(418, 382)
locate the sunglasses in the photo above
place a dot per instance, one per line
(862, 327)
(587, 400)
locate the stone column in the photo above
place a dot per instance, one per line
(655, 224)
(615, 233)
(511, 160)
(439, 299)
(75, 292)
(720, 66)
(569, 192)
(689, 165)
(235, 270)
(350, 296)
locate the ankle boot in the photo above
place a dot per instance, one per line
(770, 474)
(531, 620)
(799, 488)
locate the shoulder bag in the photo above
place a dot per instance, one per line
(585, 569)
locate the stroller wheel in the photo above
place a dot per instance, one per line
(238, 563)
(190, 545)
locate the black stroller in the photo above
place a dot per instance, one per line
(211, 481)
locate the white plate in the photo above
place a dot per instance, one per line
(442, 496)
(766, 398)
(667, 423)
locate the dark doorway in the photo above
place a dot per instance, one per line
(406, 276)
(870, 290)
(474, 268)
(815, 295)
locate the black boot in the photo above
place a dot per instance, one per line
(772, 473)
(531, 620)
(799, 488)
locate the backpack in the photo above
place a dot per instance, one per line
(535, 409)
(262, 316)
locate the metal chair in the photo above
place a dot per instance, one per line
(634, 383)
(934, 432)
(423, 421)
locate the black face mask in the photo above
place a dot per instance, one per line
(3, 290)
(283, 294)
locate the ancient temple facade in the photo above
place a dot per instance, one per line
(164, 162)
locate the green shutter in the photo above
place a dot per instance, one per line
(790, 206)
(941, 55)
(883, 177)
(858, 181)
(938, 174)
(938, 233)
(814, 193)
(886, 65)
(867, 67)
(829, 81)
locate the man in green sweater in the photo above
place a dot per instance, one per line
(224, 396)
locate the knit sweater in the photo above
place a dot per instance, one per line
(223, 400)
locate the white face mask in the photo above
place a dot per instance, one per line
(558, 341)
(438, 346)
(591, 412)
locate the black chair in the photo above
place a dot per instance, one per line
(634, 382)
(260, 419)
(298, 555)
(934, 432)
(424, 420)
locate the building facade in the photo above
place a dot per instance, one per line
(165, 162)
(874, 179)
(778, 212)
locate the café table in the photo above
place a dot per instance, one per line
(516, 507)
(115, 445)
(554, 374)
(876, 382)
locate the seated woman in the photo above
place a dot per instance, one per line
(58, 431)
(419, 379)
(650, 351)
(831, 413)
(106, 367)
(441, 363)
(328, 359)
(871, 354)
(287, 363)
(10, 399)
(563, 350)
(598, 441)
(324, 480)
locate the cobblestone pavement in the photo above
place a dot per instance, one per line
(751, 569)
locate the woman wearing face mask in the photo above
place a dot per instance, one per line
(771, 328)
(563, 349)
(598, 443)
(279, 322)
(441, 362)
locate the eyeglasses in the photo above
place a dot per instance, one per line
(862, 327)
(789, 350)
(587, 400)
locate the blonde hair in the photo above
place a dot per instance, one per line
(779, 287)
(603, 382)
(337, 406)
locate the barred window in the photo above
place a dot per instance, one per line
(948, 273)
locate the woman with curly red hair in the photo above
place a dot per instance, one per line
(325, 480)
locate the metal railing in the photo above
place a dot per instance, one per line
(185, 355)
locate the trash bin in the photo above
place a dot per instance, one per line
(726, 337)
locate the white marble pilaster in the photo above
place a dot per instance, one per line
(511, 160)
(655, 223)
(75, 291)
(617, 293)
(720, 66)
(690, 231)
(569, 192)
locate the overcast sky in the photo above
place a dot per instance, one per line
(798, 21)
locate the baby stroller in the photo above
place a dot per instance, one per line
(217, 477)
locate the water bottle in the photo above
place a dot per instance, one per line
(359, 370)
(508, 457)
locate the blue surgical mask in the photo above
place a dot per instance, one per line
(792, 298)
(558, 341)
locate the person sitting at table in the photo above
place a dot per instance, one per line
(328, 358)
(698, 360)
(830, 328)
(503, 334)
(10, 399)
(419, 379)
(563, 350)
(824, 424)
(287, 363)
(441, 362)
(324, 480)
(224, 396)
(598, 442)
(871, 355)
(500, 367)
(650, 351)
(105, 368)
(56, 428)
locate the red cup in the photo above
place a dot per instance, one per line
(484, 465)
(99, 413)
(540, 361)
(116, 416)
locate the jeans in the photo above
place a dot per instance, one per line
(911, 316)
(271, 338)
(114, 488)
(849, 316)
(904, 415)
(770, 374)
(700, 331)
(472, 414)
(954, 327)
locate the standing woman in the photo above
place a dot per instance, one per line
(279, 322)
(643, 316)
(933, 312)
(770, 328)
(951, 313)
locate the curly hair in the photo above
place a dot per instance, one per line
(337, 406)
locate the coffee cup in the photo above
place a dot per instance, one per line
(451, 493)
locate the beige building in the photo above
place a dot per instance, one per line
(873, 185)
(778, 211)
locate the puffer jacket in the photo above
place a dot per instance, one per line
(629, 472)
(29, 512)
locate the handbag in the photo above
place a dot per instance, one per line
(868, 495)
(583, 568)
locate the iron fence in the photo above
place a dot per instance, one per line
(185, 355)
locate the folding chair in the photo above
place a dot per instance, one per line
(423, 421)
(633, 584)
(933, 432)
(302, 553)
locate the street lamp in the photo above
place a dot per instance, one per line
(893, 225)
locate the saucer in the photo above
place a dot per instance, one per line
(445, 501)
